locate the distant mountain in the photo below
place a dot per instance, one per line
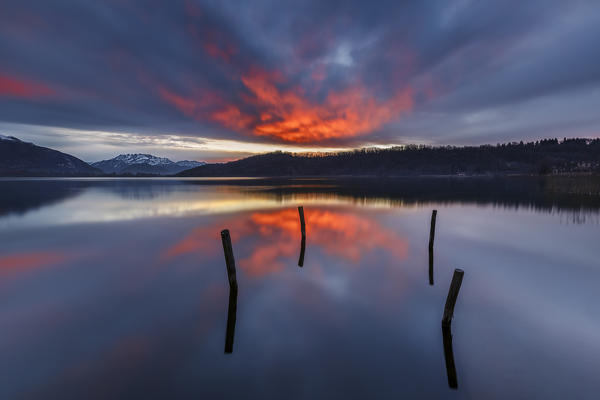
(18, 158)
(548, 156)
(143, 164)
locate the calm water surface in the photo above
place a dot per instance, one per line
(118, 289)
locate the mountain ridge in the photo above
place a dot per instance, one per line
(19, 158)
(142, 163)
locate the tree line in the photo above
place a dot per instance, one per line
(548, 156)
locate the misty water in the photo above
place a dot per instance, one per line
(118, 288)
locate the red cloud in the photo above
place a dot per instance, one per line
(214, 41)
(15, 87)
(347, 113)
(289, 115)
(208, 106)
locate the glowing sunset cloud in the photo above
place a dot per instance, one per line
(341, 234)
(289, 115)
(264, 109)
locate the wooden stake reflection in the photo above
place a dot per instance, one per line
(449, 356)
(231, 318)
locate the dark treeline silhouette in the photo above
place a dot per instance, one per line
(549, 156)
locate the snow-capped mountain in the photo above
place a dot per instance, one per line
(149, 159)
(143, 164)
(189, 164)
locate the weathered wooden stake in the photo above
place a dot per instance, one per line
(302, 225)
(231, 317)
(449, 357)
(432, 230)
(302, 250)
(452, 295)
(229, 260)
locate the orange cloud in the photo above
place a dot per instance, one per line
(347, 113)
(185, 105)
(231, 117)
(210, 106)
(15, 87)
(290, 115)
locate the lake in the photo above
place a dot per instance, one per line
(118, 288)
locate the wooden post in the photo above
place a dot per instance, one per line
(302, 225)
(302, 250)
(452, 295)
(229, 260)
(432, 230)
(449, 357)
(231, 317)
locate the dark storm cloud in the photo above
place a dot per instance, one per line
(326, 72)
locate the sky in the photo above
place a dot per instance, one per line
(219, 80)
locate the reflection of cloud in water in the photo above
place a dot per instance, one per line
(15, 263)
(274, 238)
(60, 202)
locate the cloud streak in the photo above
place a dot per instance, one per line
(14, 87)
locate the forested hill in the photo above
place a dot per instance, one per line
(541, 157)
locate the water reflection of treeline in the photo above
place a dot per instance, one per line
(576, 197)
(20, 196)
(583, 191)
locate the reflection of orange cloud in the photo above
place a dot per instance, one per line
(349, 236)
(24, 261)
(15, 87)
(200, 239)
(344, 235)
